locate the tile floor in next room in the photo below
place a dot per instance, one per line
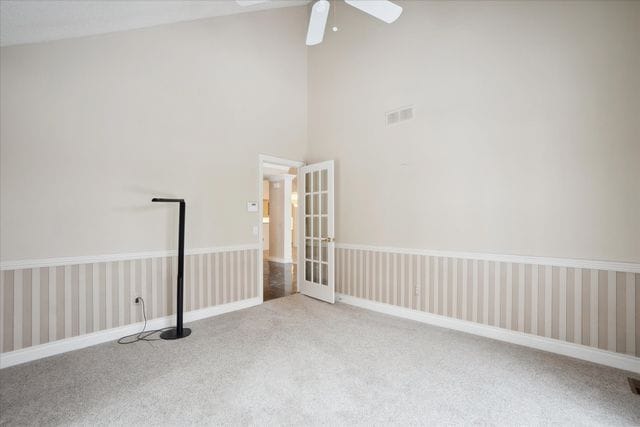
(279, 280)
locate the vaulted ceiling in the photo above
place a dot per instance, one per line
(37, 21)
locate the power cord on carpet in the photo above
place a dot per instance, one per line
(144, 334)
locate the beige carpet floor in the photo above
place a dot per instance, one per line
(298, 361)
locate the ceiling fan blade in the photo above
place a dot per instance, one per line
(250, 2)
(384, 10)
(317, 22)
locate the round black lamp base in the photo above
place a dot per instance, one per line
(171, 334)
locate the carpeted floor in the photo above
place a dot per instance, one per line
(295, 360)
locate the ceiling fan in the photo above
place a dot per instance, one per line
(384, 10)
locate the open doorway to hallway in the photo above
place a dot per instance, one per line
(279, 230)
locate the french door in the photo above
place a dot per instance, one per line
(316, 261)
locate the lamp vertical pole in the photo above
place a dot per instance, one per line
(180, 291)
(179, 331)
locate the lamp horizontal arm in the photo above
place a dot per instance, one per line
(159, 199)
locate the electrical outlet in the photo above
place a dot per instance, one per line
(417, 291)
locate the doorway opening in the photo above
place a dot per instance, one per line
(279, 227)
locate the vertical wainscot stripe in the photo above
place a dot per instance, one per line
(611, 311)
(593, 314)
(631, 313)
(17, 309)
(35, 306)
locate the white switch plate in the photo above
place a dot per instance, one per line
(255, 230)
(252, 206)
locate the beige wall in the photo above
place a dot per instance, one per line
(280, 230)
(527, 131)
(294, 212)
(526, 138)
(93, 128)
(265, 226)
(276, 219)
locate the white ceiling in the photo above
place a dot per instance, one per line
(27, 21)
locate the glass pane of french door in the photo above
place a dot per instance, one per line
(315, 230)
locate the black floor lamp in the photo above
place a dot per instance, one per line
(179, 331)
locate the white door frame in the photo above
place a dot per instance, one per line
(262, 159)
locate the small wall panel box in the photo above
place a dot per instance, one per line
(252, 206)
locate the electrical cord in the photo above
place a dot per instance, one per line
(144, 334)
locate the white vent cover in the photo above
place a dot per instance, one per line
(400, 115)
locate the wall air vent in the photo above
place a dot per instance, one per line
(393, 118)
(400, 115)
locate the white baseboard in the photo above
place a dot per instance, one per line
(591, 354)
(75, 343)
(280, 260)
